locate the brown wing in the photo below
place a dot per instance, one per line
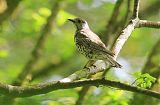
(94, 41)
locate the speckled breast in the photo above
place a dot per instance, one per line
(83, 49)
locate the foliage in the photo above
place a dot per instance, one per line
(19, 34)
(144, 80)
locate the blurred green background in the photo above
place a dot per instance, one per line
(20, 31)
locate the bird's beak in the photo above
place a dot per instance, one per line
(71, 20)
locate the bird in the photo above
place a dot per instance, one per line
(90, 45)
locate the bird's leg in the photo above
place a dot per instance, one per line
(90, 63)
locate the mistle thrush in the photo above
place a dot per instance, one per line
(90, 45)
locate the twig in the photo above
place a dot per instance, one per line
(36, 53)
(123, 37)
(150, 24)
(11, 6)
(152, 9)
(136, 9)
(113, 19)
(129, 11)
(149, 65)
(122, 23)
(118, 44)
(82, 95)
(152, 69)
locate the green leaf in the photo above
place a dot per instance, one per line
(144, 80)
(137, 74)
(149, 84)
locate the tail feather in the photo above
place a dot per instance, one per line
(113, 63)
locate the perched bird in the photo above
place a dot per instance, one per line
(90, 45)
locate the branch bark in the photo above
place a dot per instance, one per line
(17, 91)
(150, 24)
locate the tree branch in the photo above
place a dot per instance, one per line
(11, 6)
(126, 32)
(37, 51)
(17, 91)
(124, 36)
(150, 24)
(151, 68)
(82, 95)
(129, 11)
(136, 9)
(150, 10)
(113, 19)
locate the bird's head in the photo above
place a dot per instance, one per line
(80, 23)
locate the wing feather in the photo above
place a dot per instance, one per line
(93, 41)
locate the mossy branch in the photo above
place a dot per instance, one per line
(43, 88)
